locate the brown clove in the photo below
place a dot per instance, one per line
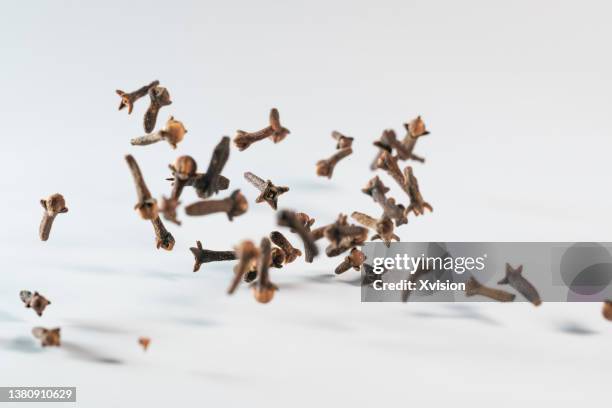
(268, 191)
(277, 258)
(173, 133)
(514, 277)
(53, 205)
(389, 164)
(289, 219)
(233, 206)
(278, 131)
(377, 190)
(35, 300)
(47, 337)
(417, 204)
(291, 253)
(342, 141)
(274, 130)
(382, 226)
(159, 98)
(354, 260)
(163, 238)
(206, 255)
(208, 183)
(147, 207)
(415, 129)
(247, 254)
(475, 288)
(144, 342)
(128, 99)
(183, 170)
(325, 168)
(263, 288)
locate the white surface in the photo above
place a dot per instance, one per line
(517, 96)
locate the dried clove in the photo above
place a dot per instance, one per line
(474, 288)
(263, 288)
(382, 226)
(319, 232)
(208, 184)
(173, 133)
(343, 142)
(341, 231)
(279, 132)
(377, 190)
(417, 204)
(205, 256)
(35, 300)
(268, 191)
(47, 337)
(354, 260)
(144, 342)
(274, 130)
(163, 238)
(183, 170)
(304, 220)
(388, 141)
(415, 129)
(53, 205)
(325, 168)
(388, 163)
(168, 208)
(247, 254)
(514, 277)
(128, 99)
(289, 219)
(159, 98)
(291, 253)
(147, 207)
(234, 206)
(277, 258)
(607, 310)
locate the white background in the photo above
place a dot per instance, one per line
(517, 98)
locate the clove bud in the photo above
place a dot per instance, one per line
(205, 256)
(128, 99)
(159, 98)
(53, 205)
(354, 260)
(263, 288)
(35, 300)
(515, 278)
(173, 133)
(291, 253)
(325, 168)
(233, 206)
(47, 337)
(474, 288)
(289, 219)
(247, 254)
(268, 191)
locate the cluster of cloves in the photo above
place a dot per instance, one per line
(38, 303)
(173, 133)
